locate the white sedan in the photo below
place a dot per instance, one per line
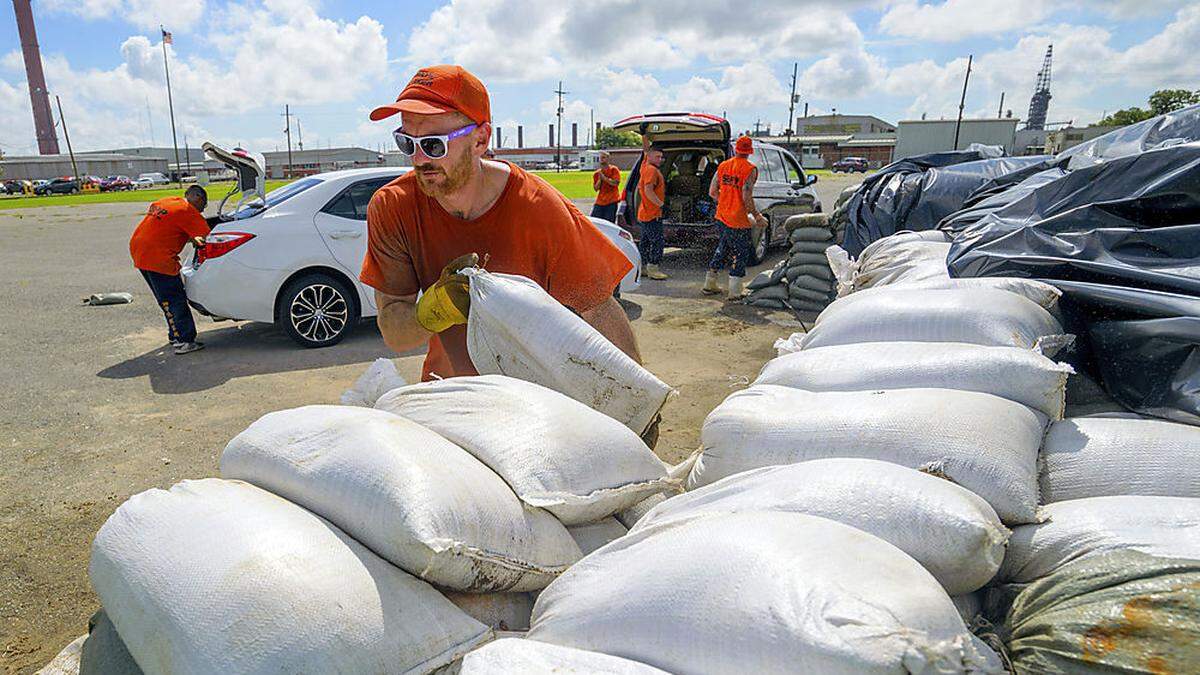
(293, 258)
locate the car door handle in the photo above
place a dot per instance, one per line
(345, 234)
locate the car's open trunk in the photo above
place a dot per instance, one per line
(688, 172)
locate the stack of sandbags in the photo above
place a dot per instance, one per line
(516, 328)
(760, 591)
(803, 281)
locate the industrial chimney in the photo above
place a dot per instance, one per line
(43, 122)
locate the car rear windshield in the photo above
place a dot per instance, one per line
(278, 195)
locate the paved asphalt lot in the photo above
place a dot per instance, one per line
(96, 408)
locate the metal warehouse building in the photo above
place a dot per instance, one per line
(34, 167)
(320, 160)
(917, 137)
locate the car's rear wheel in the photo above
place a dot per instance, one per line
(317, 310)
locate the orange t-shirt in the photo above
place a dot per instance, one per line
(606, 194)
(651, 180)
(732, 175)
(164, 231)
(532, 230)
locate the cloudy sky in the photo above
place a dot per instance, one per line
(235, 65)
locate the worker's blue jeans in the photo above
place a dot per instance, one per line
(607, 212)
(734, 242)
(650, 245)
(172, 300)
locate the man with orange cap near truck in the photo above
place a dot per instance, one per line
(456, 206)
(733, 189)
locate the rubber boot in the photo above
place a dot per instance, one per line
(652, 272)
(711, 287)
(735, 289)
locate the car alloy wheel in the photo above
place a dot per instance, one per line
(318, 313)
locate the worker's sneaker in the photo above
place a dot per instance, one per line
(188, 347)
(736, 292)
(711, 287)
(652, 272)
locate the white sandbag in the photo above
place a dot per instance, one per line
(378, 379)
(591, 536)
(789, 345)
(530, 657)
(1075, 529)
(498, 611)
(413, 497)
(981, 316)
(1098, 457)
(969, 605)
(1039, 292)
(516, 328)
(631, 515)
(1020, 375)
(759, 593)
(987, 444)
(65, 662)
(906, 263)
(217, 576)
(947, 528)
(554, 452)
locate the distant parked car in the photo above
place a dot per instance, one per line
(155, 178)
(59, 186)
(143, 182)
(115, 183)
(15, 186)
(850, 165)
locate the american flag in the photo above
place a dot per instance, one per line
(167, 37)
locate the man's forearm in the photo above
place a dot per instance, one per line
(398, 324)
(610, 320)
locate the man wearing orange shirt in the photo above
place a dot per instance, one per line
(652, 191)
(168, 226)
(605, 181)
(455, 206)
(733, 188)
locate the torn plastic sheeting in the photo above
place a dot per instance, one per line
(982, 202)
(1173, 128)
(916, 193)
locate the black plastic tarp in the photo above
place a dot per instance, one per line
(1122, 240)
(1174, 128)
(916, 193)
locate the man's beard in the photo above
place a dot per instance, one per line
(452, 177)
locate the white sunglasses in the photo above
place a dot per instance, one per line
(434, 147)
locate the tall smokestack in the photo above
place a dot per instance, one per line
(520, 136)
(574, 134)
(43, 123)
(550, 144)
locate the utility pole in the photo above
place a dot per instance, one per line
(1000, 110)
(962, 102)
(558, 140)
(167, 40)
(67, 134)
(187, 155)
(592, 128)
(792, 105)
(757, 124)
(287, 129)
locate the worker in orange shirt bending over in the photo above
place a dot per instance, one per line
(168, 226)
(733, 188)
(605, 181)
(455, 206)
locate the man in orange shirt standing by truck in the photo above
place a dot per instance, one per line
(169, 225)
(652, 191)
(605, 181)
(733, 188)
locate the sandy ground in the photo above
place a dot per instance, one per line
(96, 409)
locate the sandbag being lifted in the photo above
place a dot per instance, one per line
(530, 657)
(1098, 457)
(981, 316)
(516, 328)
(950, 530)
(759, 593)
(218, 576)
(413, 497)
(554, 452)
(1020, 375)
(984, 443)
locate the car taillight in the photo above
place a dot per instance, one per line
(220, 243)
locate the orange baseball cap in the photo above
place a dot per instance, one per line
(439, 89)
(744, 145)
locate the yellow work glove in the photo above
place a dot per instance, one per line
(447, 302)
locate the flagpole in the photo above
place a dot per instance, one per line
(166, 37)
